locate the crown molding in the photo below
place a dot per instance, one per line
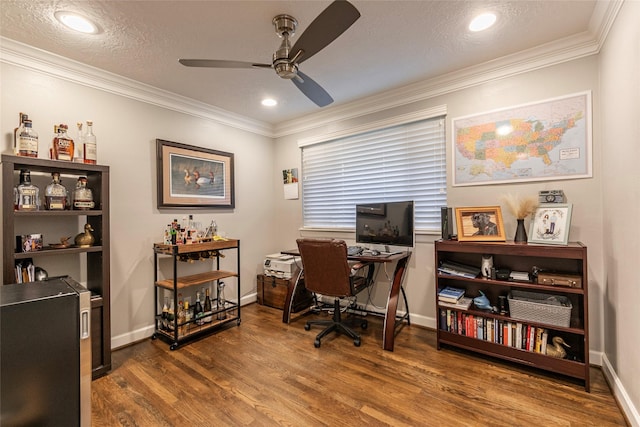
(557, 52)
(31, 58)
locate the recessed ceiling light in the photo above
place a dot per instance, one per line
(268, 102)
(76, 22)
(482, 22)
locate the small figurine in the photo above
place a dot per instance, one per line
(482, 302)
(557, 350)
(86, 239)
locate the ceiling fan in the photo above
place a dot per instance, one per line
(328, 26)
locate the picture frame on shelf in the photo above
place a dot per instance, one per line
(194, 177)
(551, 224)
(480, 224)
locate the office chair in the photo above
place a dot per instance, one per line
(327, 272)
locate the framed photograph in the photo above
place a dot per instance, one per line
(551, 223)
(193, 177)
(480, 224)
(540, 141)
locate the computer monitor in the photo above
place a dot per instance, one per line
(387, 223)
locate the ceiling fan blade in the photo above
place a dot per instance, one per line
(327, 27)
(218, 63)
(312, 90)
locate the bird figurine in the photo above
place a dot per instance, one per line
(482, 302)
(85, 239)
(557, 350)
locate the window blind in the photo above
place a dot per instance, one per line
(397, 163)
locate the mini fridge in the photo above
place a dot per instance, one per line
(45, 354)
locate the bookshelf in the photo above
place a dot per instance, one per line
(496, 334)
(88, 265)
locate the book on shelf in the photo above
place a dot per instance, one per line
(450, 294)
(462, 304)
(458, 269)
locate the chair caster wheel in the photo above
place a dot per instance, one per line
(364, 324)
(316, 343)
(307, 327)
(356, 342)
(172, 347)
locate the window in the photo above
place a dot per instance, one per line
(394, 163)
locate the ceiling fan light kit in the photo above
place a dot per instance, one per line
(328, 26)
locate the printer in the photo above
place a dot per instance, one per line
(281, 266)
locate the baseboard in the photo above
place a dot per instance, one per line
(146, 331)
(619, 392)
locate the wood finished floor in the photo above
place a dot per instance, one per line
(267, 373)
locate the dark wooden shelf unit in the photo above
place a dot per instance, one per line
(570, 259)
(97, 257)
(182, 332)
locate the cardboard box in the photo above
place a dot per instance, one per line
(272, 292)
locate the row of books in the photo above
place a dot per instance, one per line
(25, 272)
(499, 331)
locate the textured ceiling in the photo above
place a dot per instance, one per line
(393, 44)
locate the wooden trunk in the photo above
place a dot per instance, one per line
(272, 291)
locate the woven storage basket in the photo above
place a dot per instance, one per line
(541, 308)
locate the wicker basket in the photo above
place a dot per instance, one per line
(541, 308)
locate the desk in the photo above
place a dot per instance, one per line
(391, 319)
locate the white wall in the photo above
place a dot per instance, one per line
(620, 103)
(566, 78)
(126, 130)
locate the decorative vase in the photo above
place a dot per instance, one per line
(521, 233)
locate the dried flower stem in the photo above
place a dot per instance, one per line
(520, 208)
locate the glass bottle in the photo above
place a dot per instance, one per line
(16, 132)
(187, 317)
(79, 144)
(170, 315)
(181, 316)
(27, 140)
(165, 312)
(55, 195)
(63, 145)
(82, 195)
(28, 194)
(221, 301)
(198, 312)
(208, 318)
(90, 150)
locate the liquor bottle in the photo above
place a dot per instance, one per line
(63, 145)
(78, 157)
(198, 313)
(188, 316)
(16, 132)
(170, 316)
(27, 140)
(82, 195)
(181, 316)
(222, 302)
(208, 318)
(55, 195)
(28, 194)
(90, 150)
(165, 312)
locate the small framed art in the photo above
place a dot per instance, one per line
(480, 224)
(551, 223)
